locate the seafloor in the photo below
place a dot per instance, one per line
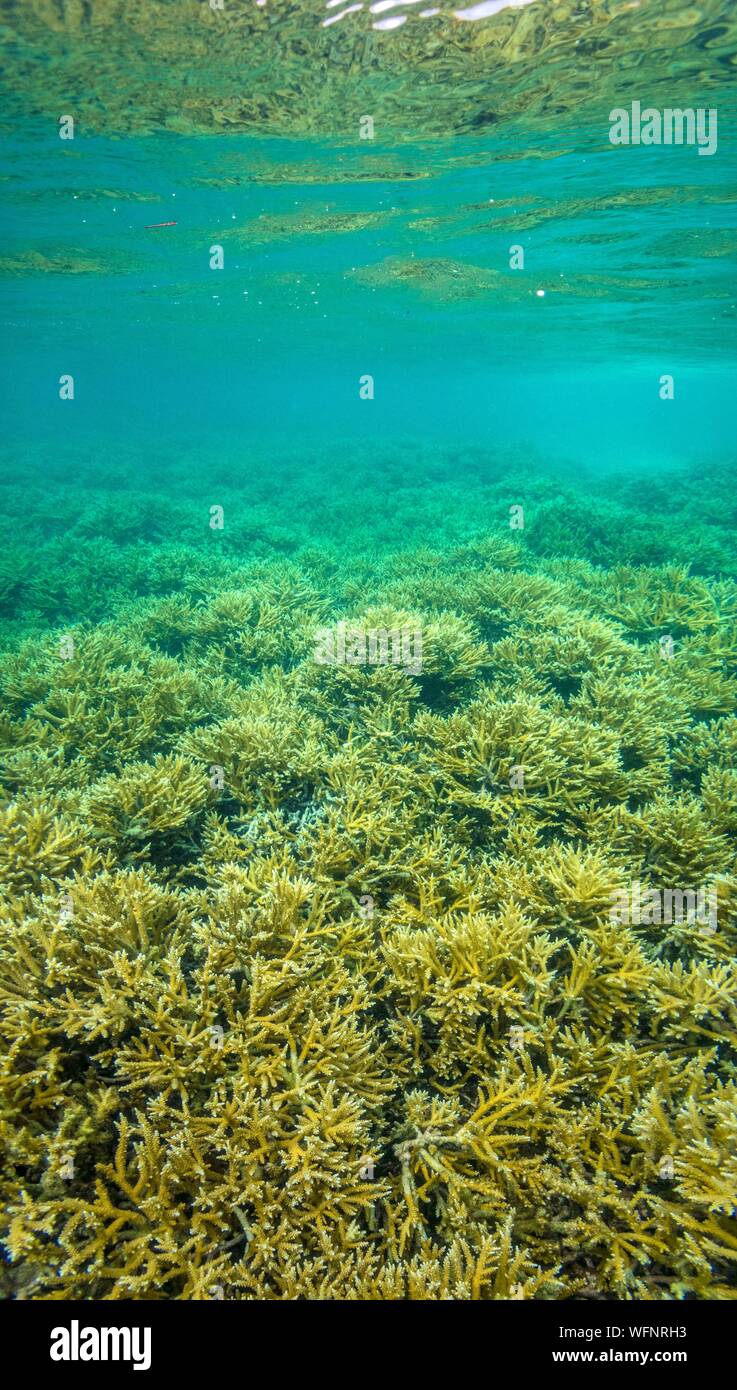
(305, 992)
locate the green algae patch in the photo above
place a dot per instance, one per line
(68, 262)
(438, 277)
(275, 226)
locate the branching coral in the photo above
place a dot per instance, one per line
(310, 980)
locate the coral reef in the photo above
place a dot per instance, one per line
(309, 981)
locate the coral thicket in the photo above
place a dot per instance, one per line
(310, 985)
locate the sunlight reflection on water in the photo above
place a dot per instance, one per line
(482, 10)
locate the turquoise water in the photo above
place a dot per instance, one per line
(309, 981)
(407, 280)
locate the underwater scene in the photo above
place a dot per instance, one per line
(368, 650)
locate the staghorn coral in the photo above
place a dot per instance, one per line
(354, 1020)
(37, 846)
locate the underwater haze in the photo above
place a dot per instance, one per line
(368, 650)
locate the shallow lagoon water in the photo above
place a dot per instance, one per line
(311, 985)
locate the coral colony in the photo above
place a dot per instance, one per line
(368, 800)
(365, 1015)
